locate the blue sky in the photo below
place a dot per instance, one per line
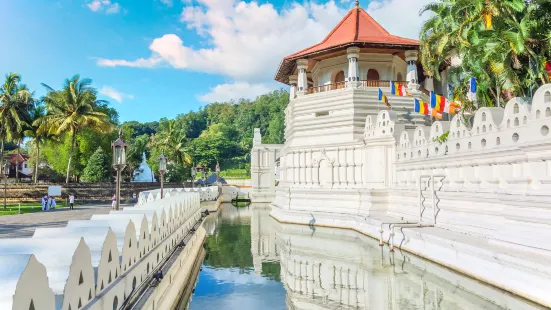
(159, 58)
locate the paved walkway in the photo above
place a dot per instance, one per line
(23, 225)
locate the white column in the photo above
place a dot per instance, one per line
(429, 83)
(412, 77)
(293, 90)
(353, 72)
(302, 66)
(444, 75)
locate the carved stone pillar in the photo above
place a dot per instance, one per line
(353, 54)
(302, 66)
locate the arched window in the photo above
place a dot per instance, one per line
(115, 303)
(372, 75)
(339, 77)
(399, 76)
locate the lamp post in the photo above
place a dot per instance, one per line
(162, 169)
(193, 173)
(6, 173)
(119, 163)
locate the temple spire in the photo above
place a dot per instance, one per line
(357, 3)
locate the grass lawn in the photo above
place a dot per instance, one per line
(26, 207)
(235, 174)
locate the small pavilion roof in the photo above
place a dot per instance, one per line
(357, 28)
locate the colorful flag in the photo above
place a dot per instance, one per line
(437, 103)
(397, 89)
(421, 107)
(472, 85)
(471, 94)
(383, 98)
(452, 107)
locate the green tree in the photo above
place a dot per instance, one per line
(504, 44)
(215, 144)
(38, 138)
(98, 168)
(71, 110)
(15, 103)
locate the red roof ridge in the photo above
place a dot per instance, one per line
(373, 32)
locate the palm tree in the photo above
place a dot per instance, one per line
(172, 140)
(38, 137)
(503, 43)
(16, 101)
(72, 109)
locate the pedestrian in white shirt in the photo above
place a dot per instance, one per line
(71, 202)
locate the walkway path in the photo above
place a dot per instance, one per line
(23, 225)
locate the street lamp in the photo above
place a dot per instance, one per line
(119, 162)
(6, 173)
(193, 174)
(162, 169)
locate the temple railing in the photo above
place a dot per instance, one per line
(324, 88)
(341, 85)
(380, 83)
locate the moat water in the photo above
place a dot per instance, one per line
(254, 262)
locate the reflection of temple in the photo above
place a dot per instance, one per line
(263, 237)
(325, 268)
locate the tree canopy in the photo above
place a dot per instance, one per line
(505, 44)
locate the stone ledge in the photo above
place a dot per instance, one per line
(528, 275)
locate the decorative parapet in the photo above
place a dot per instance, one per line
(506, 149)
(94, 264)
(206, 193)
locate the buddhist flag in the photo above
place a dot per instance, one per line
(438, 105)
(383, 98)
(421, 107)
(452, 107)
(471, 94)
(397, 89)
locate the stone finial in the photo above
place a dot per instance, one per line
(357, 3)
(257, 138)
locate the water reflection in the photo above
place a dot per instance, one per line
(254, 262)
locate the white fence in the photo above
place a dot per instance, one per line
(206, 193)
(97, 263)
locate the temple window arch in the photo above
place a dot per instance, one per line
(339, 77)
(372, 75)
(399, 76)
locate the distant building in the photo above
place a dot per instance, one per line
(21, 161)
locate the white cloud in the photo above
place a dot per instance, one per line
(104, 6)
(409, 22)
(235, 91)
(167, 2)
(247, 40)
(114, 94)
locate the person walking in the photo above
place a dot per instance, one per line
(44, 202)
(71, 202)
(114, 202)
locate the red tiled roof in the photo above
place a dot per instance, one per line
(12, 158)
(356, 28)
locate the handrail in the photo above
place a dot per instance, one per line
(341, 85)
(324, 88)
(380, 83)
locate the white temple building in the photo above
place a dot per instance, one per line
(144, 173)
(478, 203)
